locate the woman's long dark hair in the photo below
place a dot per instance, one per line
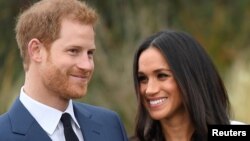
(203, 92)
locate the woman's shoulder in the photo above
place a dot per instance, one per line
(235, 122)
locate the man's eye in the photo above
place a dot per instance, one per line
(73, 51)
(91, 53)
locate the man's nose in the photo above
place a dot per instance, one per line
(85, 62)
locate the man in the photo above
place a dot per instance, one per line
(57, 44)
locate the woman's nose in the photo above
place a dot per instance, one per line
(152, 87)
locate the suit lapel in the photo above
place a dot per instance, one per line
(25, 125)
(91, 130)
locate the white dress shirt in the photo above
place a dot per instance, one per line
(49, 118)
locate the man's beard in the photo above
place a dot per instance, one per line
(59, 83)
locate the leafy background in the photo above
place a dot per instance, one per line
(221, 26)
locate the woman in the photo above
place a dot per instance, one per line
(178, 88)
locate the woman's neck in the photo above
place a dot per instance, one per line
(178, 128)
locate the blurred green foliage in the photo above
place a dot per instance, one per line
(221, 26)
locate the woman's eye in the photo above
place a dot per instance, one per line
(162, 76)
(142, 79)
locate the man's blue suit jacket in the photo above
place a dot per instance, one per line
(97, 124)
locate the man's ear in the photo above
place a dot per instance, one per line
(35, 50)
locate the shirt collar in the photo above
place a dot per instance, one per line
(47, 117)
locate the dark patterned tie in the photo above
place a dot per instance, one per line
(68, 130)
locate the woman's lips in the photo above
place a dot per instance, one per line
(156, 101)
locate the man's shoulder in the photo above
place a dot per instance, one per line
(94, 109)
(3, 118)
(97, 113)
(4, 126)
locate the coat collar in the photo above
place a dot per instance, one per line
(23, 123)
(90, 128)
